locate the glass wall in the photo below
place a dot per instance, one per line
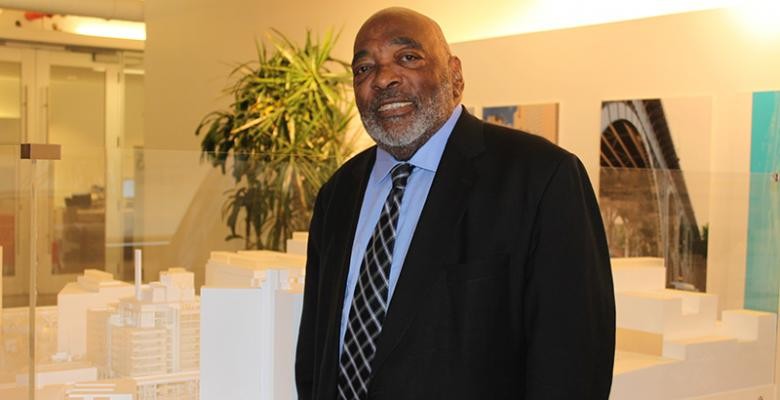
(104, 331)
(57, 222)
(197, 284)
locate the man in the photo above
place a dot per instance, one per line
(456, 259)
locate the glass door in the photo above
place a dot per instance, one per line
(16, 78)
(16, 99)
(10, 136)
(82, 105)
(71, 214)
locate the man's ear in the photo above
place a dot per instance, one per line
(457, 77)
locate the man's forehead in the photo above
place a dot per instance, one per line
(406, 42)
(367, 40)
(362, 47)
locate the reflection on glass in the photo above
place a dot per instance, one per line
(10, 102)
(132, 143)
(8, 198)
(10, 133)
(77, 123)
(14, 331)
(133, 134)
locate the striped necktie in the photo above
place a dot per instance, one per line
(369, 304)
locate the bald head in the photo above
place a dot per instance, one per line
(406, 81)
(403, 16)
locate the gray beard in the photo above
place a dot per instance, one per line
(432, 112)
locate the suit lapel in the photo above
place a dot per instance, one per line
(441, 214)
(354, 186)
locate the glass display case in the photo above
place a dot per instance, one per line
(147, 309)
(123, 305)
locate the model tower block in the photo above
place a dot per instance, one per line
(152, 337)
(251, 307)
(670, 344)
(93, 289)
(158, 333)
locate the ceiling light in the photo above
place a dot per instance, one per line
(113, 29)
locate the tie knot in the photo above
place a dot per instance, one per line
(400, 173)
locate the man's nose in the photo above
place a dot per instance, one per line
(386, 77)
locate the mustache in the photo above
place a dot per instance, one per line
(391, 94)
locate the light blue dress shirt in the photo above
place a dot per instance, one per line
(425, 162)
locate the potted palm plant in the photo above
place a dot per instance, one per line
(281, 138)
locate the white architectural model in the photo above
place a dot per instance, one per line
(247, 269)
(160, 341)
(251, 307)
(671, 346)
(50, 374)
(93, 289)
(297, 245)
(149, 337)
(152, 337)
(15, 336)
(119, 389)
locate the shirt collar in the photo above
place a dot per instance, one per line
(427, 157)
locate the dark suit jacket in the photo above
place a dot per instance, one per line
(506, 291)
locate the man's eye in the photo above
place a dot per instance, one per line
(409, 57)
(361, 69)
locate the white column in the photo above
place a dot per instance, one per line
(138, 273)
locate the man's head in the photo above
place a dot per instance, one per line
(405, 79)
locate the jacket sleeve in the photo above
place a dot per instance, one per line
(569, 304)
(305, 355)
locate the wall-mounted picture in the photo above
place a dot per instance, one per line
(539, 119)
(763, 241)
(654, 183)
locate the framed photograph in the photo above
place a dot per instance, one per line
(654, 183)
(539, 119)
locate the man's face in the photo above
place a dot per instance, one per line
(402, 81)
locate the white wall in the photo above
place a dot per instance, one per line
(709, 53)
(193, 44)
